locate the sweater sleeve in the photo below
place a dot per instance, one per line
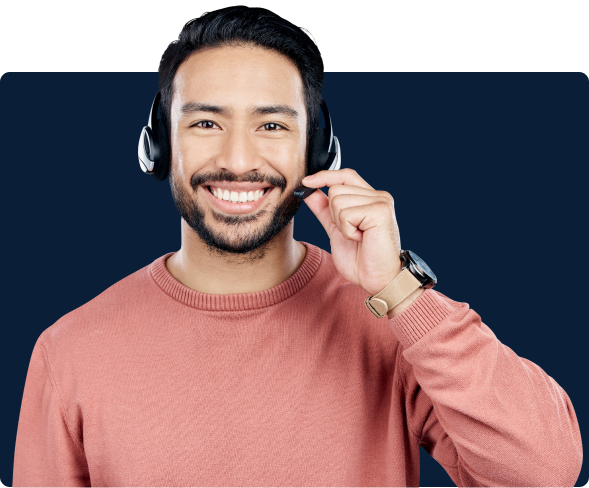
(489, 417)
(45, 453)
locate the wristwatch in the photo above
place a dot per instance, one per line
(415, 274)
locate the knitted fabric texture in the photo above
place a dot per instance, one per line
(154, 384)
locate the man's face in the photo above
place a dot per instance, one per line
(238, 127)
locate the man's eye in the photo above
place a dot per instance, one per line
(272, 127)
(205, 124)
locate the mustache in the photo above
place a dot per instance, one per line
(203, 178)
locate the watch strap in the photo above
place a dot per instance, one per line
(395, 292)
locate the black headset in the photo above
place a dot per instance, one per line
(154, 155)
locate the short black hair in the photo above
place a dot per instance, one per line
(241, 25)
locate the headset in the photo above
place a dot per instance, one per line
(154, 154)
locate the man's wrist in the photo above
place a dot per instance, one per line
(405, 303)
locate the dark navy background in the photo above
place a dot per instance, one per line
(488, 172)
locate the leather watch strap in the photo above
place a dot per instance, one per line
(395, 292)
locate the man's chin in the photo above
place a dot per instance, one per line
(249, 235)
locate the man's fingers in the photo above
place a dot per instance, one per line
(345, 176)
(319, 205)
(343, 201)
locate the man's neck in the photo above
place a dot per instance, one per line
(200, 269)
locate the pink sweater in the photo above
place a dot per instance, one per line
(154, 384)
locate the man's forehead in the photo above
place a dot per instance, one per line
(227, 75)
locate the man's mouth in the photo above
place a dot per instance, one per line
(236, 196)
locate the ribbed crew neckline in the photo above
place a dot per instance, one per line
(239, 301)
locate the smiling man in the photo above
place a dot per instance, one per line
(247, 358)
(239, 134)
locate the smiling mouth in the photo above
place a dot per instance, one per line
(238, 196)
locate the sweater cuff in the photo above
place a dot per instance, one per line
(421, 316)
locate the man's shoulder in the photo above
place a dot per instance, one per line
(126, 297)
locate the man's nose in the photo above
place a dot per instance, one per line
(238, 152)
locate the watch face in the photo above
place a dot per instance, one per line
(421, 264)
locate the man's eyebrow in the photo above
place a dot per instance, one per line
(276, 109)
(192, 107)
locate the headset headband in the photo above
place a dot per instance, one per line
(153, 121)
(327, 141)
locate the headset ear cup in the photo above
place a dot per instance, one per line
(315, 146)
(163, 165)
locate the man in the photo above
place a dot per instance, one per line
(248, 358)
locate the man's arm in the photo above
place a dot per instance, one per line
(489, 417)
(45, 453)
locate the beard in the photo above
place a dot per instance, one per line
(240, 234)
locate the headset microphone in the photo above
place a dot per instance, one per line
(153, 151)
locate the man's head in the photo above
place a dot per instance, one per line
(241, 90)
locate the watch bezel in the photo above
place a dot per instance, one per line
(426, 280)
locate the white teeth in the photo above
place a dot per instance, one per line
(241, 197)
